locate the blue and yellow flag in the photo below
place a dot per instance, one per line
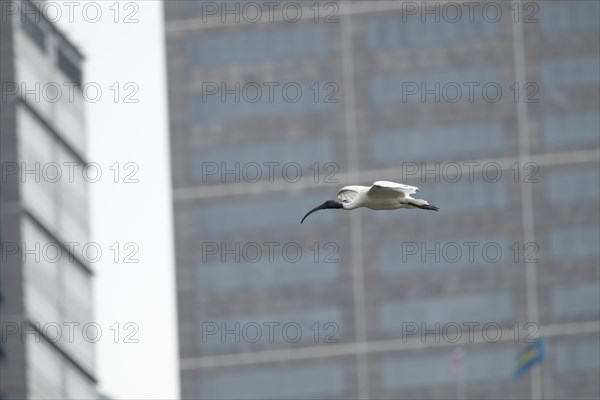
(531, 355)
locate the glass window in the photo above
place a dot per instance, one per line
(33, 72)
(573, 184)
(32, 28)
(574, 356)
(232, 276)
(255, 100)
(77, 386)
(42, 274)
(51, 376)
(36, 152)
(413, 144)
(574, 242)
(57, 291)
(388, 32)
(258, 213)
(287, 326)
(571, 129)
(249, 158)
(480, 307)
(68, 117)
(319, 380)
(69, 68)
(570, 72)
(73, 218)
(48, 193)
(568, 16)
(426, 370)
(485, 250)
(257, 44)
(77, 290)
(576, 299)
(44, 375)
(452, 83)
(78, 308)
(81, 347)
(71, 230)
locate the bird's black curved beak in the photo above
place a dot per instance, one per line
(327, 204)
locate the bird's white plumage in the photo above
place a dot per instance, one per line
(382, 195)
(384, 186)
(348, 193)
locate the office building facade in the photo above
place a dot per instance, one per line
(46, 284)
(491, 110)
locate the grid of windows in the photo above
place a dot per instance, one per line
(481, 307)
(414, 144)
(375, 42)
(256, 45)
(54, 290)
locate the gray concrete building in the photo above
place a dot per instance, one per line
(491, 109)
(45, 284)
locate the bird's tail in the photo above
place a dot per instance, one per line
(423, 204)
(429, 207)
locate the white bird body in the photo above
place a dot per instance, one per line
(382, 195)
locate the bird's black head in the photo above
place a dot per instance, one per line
(327, 204)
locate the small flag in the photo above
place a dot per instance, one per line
(531, 355)
(457, 360)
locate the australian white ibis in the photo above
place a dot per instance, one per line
(382, 195)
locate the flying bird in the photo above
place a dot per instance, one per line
(382, 195)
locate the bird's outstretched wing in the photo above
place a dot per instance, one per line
(348, 193)
(383, 187)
